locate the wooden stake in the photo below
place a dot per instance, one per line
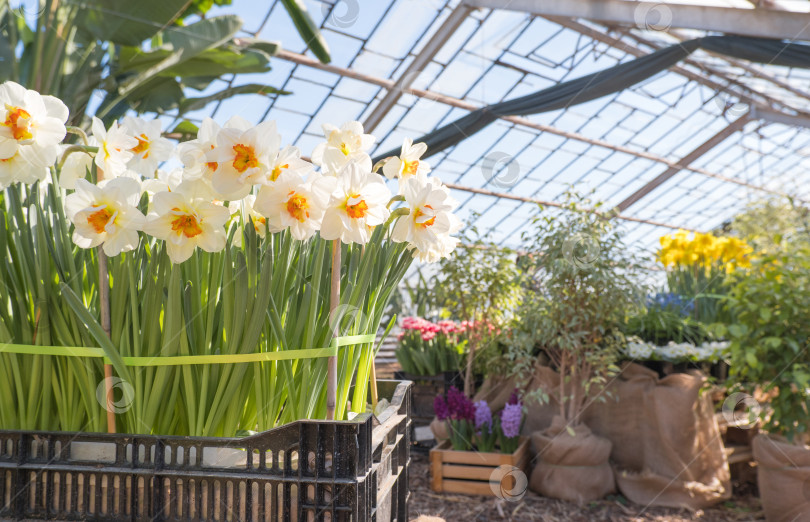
(104, 299)
(332, 364)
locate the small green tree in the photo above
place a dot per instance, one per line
(770, 225)
(589, 282)
(480, 284)
(770, 336)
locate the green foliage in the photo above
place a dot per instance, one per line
(771, 225)
(770, 335)
(480, 283)
(589, 283)
(441, 354)
(660, 326)
(142, 55)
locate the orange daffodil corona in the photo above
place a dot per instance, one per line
(234, 172)
(31, 128)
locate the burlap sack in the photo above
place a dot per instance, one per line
(667, 449)
(439, 429)
(783, 477)
(569, 467)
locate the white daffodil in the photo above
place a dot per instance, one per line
(430, 217)
(358, 204)
(407, 164)
(165, 181)
(288, 159)
(192, 153)
(186, 222)
(114, 149)
(31, 124)
(17, 168)
(292, 202)
(343, 145)
(152, 148)
(442, 248)
(76, 165)
(106, 214)
(242, 154)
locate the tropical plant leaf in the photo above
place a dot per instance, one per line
(125, 22)
(307, 28)
(193, 104)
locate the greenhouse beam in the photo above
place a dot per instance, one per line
(301, 59)
(762, 23)
(702, 149)
(422, 59)
(514, 197)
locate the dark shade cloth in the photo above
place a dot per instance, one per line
(612, 80)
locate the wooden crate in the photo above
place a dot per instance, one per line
(470, 471)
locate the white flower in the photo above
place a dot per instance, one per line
(430, 220)
(343, 145)
(31, 124)
(292, 202)
(165, 181)
(444, 246)
(76, 165)
(407, 164)
(243, 154)
(18, 169)
(186, 222)
(288, 159)
(114, 149)
(151, 149)
(106, 214)
(192, 153)
(358, 204)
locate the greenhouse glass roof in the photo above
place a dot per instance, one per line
(712, 133)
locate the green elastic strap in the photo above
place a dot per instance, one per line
(308, 353)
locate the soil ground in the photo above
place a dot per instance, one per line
(428, 506)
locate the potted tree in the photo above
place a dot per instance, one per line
(770, 359)
(587, 283)
(479, 285)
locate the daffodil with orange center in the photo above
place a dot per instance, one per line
(243, 154)
(31, 125)
(358, 204)
(408, 164)
(290, 202)
(152, 148)
(106, 214)
(430, 221)
(186, 221)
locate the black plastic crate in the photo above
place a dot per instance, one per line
(305, 471)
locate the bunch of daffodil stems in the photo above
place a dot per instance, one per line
(697, 264)
(246, 249)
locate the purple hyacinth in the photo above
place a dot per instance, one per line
(514, 398)
(461, 408)
(510, 419)
(440, 407)
(483, 415)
